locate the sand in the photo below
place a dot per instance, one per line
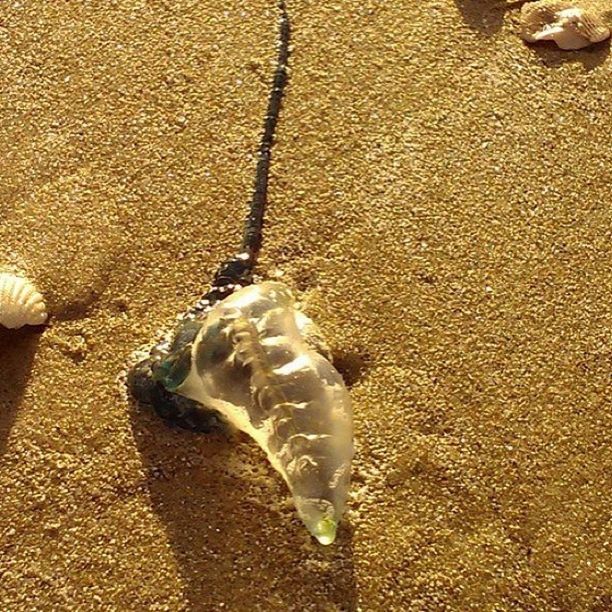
(440, 201)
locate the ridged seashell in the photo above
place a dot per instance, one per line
(569, 25)
(20, 302)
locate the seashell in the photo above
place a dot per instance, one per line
(569, 25)
(20, 302)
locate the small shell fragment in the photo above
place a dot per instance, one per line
(20, 302)
(568, 24)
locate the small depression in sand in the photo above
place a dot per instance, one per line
(67, 235)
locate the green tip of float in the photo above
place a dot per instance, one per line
(325, 531)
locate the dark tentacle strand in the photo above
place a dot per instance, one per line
(177, 410)
(238, 271)
(153, 379)
(253, 234)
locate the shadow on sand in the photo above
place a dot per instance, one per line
(231, 546)
(486, 16)
(590, 58)
(17, 348)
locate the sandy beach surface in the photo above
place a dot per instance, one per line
(440, 202)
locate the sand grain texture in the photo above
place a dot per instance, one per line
(441, 201)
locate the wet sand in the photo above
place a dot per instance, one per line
(440, 201)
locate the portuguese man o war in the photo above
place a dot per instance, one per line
(252, 363)
(244, 355)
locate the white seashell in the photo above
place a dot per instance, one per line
(20, 302)
(569, 25)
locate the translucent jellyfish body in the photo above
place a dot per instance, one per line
(262, 364)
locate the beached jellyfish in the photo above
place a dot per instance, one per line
(252, 362)
(245, 355)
